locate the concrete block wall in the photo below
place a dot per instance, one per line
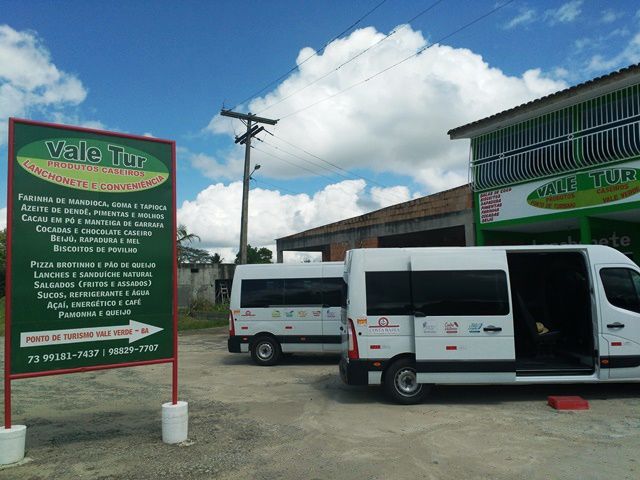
(197, 281)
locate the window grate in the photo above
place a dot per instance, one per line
(602, 130)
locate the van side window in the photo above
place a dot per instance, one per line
(621, 287)
(460, 292)
(302, 291)
(261, 293)
(388, 293)
(332, 291)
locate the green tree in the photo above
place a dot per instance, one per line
(184, 236)
(257, 255)
(187, 254)
(197, 255)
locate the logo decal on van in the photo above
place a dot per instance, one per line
(276, 314)
(475, 327)
(429, 328)
(302, 313)
(451, 327)
(317, 313)
(383, 327)
(248, 313)
(289, 313)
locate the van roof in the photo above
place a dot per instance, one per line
(600, 253)
(266, 266)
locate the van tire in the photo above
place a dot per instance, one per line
(400, 383)
(265, 351)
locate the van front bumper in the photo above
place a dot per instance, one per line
(355, 372)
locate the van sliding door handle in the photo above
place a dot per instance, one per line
(491, 328)
(615, 325)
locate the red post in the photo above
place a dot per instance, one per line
(7, 305)
(174, 393)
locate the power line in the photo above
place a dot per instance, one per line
(440, 40)
(331, 180)
(370, 180)
(293, 192)
(357, 55)
(294, 68)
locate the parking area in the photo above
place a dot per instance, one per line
(297, 420)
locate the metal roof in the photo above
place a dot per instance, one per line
(569, 96)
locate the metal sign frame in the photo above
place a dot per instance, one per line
(8, 376)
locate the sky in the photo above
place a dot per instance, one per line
(364, 91)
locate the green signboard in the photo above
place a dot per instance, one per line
(587, 189)
(91, 250)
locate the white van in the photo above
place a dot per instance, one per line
(489, 315)
(281, 308)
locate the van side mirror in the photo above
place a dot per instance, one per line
(419, 314)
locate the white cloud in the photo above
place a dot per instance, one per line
(3, 218)
(526, 16)
(566, 13)
(394, 123)
(29, 80)
(630, 54)
(215, 213)
(610, 16)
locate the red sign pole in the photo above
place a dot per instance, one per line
(174, 392)
(7, 305)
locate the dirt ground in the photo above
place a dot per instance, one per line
(298, 421)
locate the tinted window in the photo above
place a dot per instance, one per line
(303, 291)
(332, 290)
(388, 293)
(620, 286)
(464, 292)
(261, 293)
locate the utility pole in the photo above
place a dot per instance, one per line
(252, 130)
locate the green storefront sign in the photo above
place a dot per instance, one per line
(91, 249)
(587, 189)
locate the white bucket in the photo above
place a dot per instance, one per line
(175, 422)
(12, 444)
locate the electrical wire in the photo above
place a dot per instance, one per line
(331, 180)
(357, 55)
(297, 66)
(440, 40)
(362, 177)
(277, 187)
(349, 176)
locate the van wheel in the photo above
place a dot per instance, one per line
(401, 383)
(265, 351)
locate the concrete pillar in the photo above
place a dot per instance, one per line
(585, 231)
(469, 234)
(279, 256)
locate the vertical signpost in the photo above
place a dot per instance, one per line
(91, 253)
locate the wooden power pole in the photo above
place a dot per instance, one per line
(252, 130)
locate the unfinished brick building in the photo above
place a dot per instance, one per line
(441, 219)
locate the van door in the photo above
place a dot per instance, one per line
(619, 294)
(331, 312)
(463, 317)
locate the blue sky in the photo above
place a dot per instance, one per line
(165, 68)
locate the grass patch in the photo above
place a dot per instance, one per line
(186, 322)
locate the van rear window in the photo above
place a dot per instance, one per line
(460, 292)
(388, 293)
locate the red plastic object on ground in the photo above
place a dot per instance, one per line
(567, 402)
